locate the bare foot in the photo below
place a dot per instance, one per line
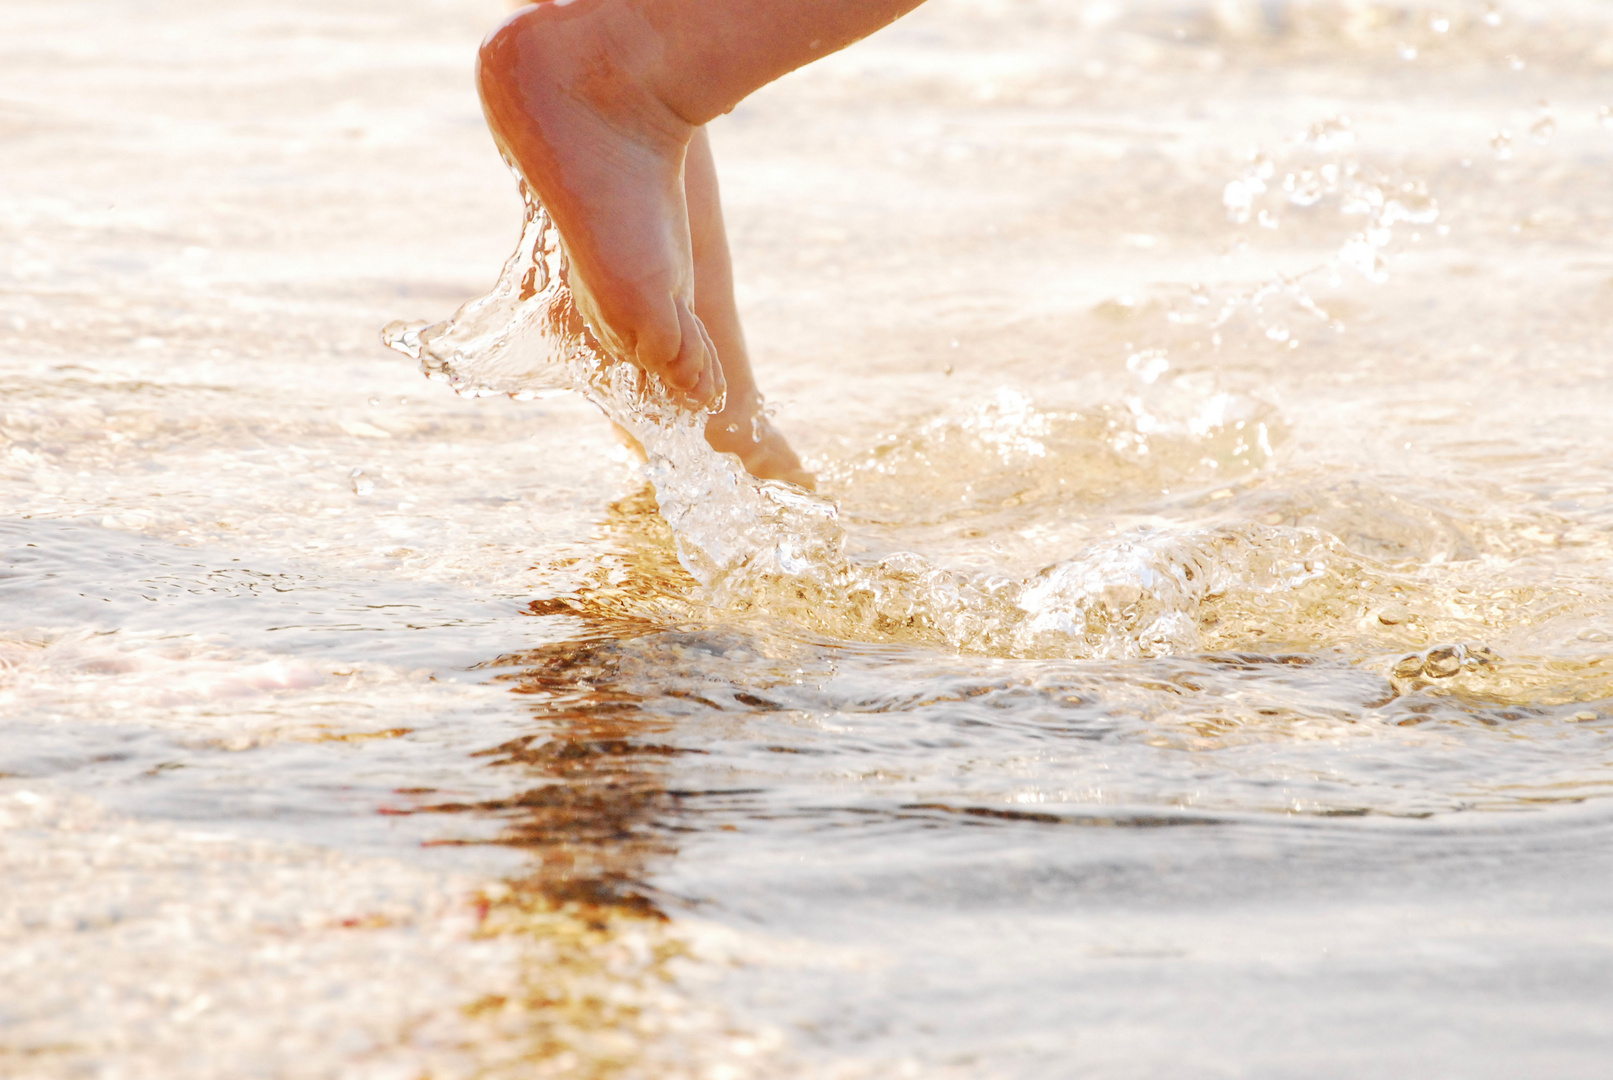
(741, 427)
(749, 436)
(747, 433)
(563, 91)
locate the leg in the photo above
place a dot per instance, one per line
(741, 427)
(596, 102)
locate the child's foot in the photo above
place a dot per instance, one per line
(563, 95)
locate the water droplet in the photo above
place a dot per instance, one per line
(1501, 143)
(1237, 197)
(362, 485)
(1604, 116)
(1304, 189)
(1516, 62)
(1543, 129)
(1411, 203)
(1362, 256)
(403, 336)
(1362, 199)
(1148, 365)
(1438, 23)
(1407, 52)
(1492, 15)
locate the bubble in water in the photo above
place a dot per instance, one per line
(1440, 664)
(1501, 144)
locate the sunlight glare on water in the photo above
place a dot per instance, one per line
(1196, 662)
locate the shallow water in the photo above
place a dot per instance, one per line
(1198, 667)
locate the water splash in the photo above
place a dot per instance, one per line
(1328, 169)
(770, 548)
(525, 339)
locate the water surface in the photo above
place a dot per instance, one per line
(1201, 669)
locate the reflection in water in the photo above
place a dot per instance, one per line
(597, 815)
(595, 996)
(599, 811)
(651, 733)
(600, 989)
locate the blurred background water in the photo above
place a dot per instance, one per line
(352, 728)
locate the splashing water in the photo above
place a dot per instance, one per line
(768, 546)
(525, 338)
(1361, 191)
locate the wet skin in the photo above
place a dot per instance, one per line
(600, 104)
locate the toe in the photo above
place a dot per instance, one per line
(657, 336)
(712, 374)
(674, 346)
(687, 364)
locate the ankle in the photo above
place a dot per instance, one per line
(740, 426)
(607, 56)
(627, 74)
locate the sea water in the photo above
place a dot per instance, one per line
(1195, 662)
